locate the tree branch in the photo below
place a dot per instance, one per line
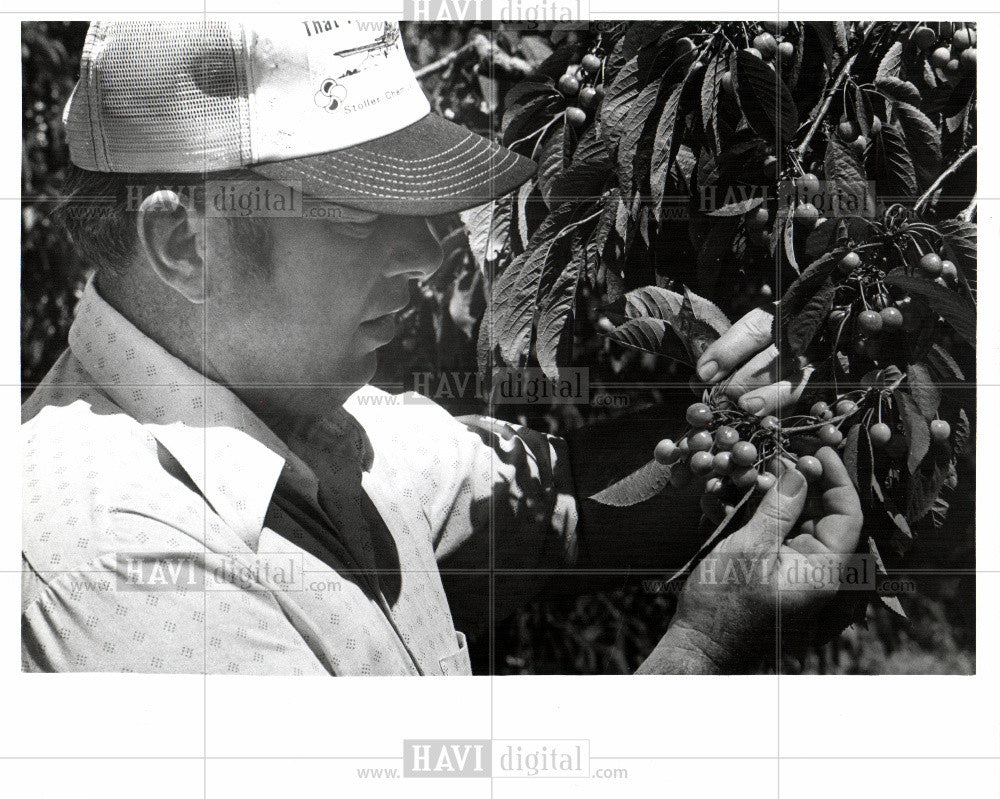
(944, 176)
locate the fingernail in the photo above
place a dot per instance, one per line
(752, 404)
(707, 371)
(791, 483)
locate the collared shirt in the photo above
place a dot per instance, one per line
(166, 528)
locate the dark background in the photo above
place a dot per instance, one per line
(568, 630)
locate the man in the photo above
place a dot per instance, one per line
(210, 483)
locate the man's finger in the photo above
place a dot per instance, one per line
(840, 527)
(775, 397)
(777, 513)
(736, 346)
(760, 370)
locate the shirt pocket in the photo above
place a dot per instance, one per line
(458, 664)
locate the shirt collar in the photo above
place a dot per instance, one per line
(233, 458)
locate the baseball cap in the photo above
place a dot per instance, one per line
(332, 105)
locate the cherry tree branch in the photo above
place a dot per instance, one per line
(944, 176)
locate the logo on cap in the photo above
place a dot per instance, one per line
(330, 95)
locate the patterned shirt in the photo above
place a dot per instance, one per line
(166, 528)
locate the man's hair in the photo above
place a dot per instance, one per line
(98, 213)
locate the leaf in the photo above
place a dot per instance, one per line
(788, 238)
(514, 293)
(550, 161)
(800, 330)
(940, 360)
(712, 253)
(521, 123)
(710, 87)
(961, 241)
(523, 194)
(847, 184)
(916, 429)
(962, 436)
(901, 91)
(891, 64)
(893, 169)
(923, 389)
(644, 483)
(922, 139)
(891, 602)
(859, 460)
(924, 492)
(650, 335)
(488, 229)
(556, 305)
(815, 275)
(710, 543)
(665, 148)
(624, 88)
(632, 126)
(588, 174)
(956, 310)
(764, 98)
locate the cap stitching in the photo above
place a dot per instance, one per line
(468, 136)
(418, 170)
(450, 178)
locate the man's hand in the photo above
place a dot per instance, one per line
(745, 360)
(765, 582)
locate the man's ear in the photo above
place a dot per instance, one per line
(172, 236)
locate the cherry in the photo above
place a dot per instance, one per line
(830, 435)
(810, 467)
(715, 485)
(754, 52)
(744, 454)
(577, 117)
(847, 130)
(666, 452)
(819, 409)
(745, 477)
(684, 46)
(806, 214)
(721, 463)
(699, 415)
(588, 97)
(880, 434)
(849, 263)
(940, 57)
(770, 423)
(766, 481)
(967, 60)
(963, 39)
(859, 145)
(808, 185)
(892, 318)
(591, 63)
(940, 430)
(953, 69)
(870, 321)
(876, 126)
(700, 441)
(767, 45)
(949, 271)
(726, 437)
(923, 37)
(836, 318)
(701, 463)
(786, 50)
(846, 408)
(727, 83)
(931, 264)
(569, 85)
(757, 222)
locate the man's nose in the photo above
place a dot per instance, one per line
(416, 251)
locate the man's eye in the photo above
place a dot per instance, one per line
(355, 230)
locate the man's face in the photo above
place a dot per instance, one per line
(303, 333)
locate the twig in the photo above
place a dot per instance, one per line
(442, 63)
(944, 176)
(831, 92)
(968, 213)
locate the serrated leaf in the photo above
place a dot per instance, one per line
(797, 295)
(923, 389)
(940, 360)
(632, 126)
(890, 602)
(800, 329)
(916, 429)
(847, 184)
(922, 139)
(893, 169)
(710, 87)
(956, 310)
(488, 229)
(550, 161)
(892, 63)
(644, 483)
(664, 148)
(714, 538)
(901, 91)
(766, 102)
(962, 437)
(961, 243)
(557, 300)
(788, 239)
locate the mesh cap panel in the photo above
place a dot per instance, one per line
(161, 97)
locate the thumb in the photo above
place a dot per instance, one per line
(778, 511)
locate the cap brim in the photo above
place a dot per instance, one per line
(428, 168)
